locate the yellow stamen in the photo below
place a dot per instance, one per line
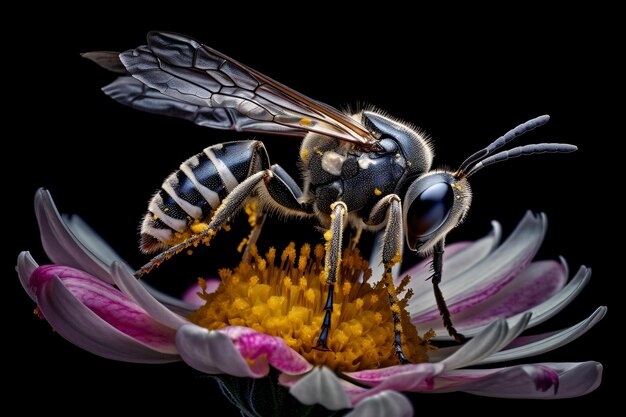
(287, 301)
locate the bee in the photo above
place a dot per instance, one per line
(363, 169)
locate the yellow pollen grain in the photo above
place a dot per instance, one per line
(189, 252)
(304, 154)
(320, 153)
(362, 328)
(198, 227)
(377, 191)
(242, 244)
(155, 217)
(306, 121)
(328, 235)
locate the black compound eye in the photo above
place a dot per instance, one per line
(430, 209)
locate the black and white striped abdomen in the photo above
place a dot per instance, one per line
(189, 196)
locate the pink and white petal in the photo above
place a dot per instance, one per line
(386, 403)
(412, 377)
(418, 373)
(102, 325)
(321, 386)
(489, 276)
(130, 286)
(60, 244)
(261, 350)
(26, 265)
(524, 347)
(550, 307)
(533, 286)
(536, 381)
(560, 300)
(210, 351)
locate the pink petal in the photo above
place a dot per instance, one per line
(98, 318)
(262, 349)
(60, 244)
(491, 275)
(545, 380)
(536, 284)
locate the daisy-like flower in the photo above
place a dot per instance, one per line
(263, 319)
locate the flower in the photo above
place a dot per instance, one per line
(494, 290)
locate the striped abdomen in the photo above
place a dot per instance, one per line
(191, 195)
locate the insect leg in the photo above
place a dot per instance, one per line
(283, 194)
(441, 302)
(332, 264)
(389, 210)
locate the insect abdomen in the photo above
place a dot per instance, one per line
(190, 195)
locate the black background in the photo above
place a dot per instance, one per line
(464, 81)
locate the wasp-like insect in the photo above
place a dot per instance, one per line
(364, 169)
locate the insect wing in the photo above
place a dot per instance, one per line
(207, 87)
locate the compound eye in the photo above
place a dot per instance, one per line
(430, 209)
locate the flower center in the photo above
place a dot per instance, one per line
(287, 300)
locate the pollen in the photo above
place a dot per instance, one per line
(198, 227)
(284, 296)
(306, 121)
(304, 154)
(377, 191)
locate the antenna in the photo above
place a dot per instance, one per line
(481, 159)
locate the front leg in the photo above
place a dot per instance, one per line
(388, 211)
(332, 265)
(437, 266)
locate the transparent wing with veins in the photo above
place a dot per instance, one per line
(178, 76)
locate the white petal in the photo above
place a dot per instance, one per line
(91, 240)
(130, 286)
(385, 403)
(60, 244)
(81, 326)
(25, 267)
(211, 352)
(483, 345)
(548, 343)
(497, 335)
(489, 276)
(321, 386)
